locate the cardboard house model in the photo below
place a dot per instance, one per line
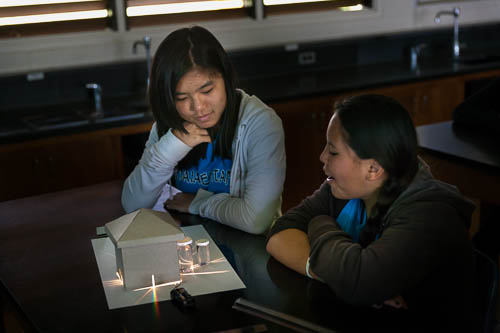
(145, 245)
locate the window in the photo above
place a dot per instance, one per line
(276, 7)
(432, 2)
(151, 12)
(20, 18)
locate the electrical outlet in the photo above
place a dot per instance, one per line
(35, 76)
(307, 58)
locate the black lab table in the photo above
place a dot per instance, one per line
(49, 272)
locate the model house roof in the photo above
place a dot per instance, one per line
(143, 227)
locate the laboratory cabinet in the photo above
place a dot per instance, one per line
(67, 161)
(305, 121)
(428, 101)
(58, 163)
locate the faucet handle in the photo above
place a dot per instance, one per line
(146, 41)
(455, 12)
(415, 52)
(134, 46)
(94, 95)
(418, 48)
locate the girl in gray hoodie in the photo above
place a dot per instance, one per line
(214, 150)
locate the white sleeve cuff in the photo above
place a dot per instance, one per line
(171, 148)
(307, 269)
(201, 196)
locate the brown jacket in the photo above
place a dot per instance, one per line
(423, 254)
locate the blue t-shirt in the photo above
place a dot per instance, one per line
(213, 175)
(352, 218)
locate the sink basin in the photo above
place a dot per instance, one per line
(12, 126)
(53, 120)
(73, 116)
(131, 110)
(107, 118)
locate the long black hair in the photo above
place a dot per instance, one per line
(378, 127)
(180, 52)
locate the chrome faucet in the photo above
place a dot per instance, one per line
(415, 52)
(146, 41)
(455, 12)
(94, 95)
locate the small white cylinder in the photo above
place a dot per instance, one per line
(202, 248)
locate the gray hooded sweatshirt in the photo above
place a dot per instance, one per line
(257, 173)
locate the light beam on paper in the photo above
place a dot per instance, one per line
(154, 286)
(159, 285)
(112, 283)
(217, 260)
(156, 307)
(204, 273)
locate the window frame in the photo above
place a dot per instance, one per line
(253, 8)
(58, 26)
(118, 19)
(307, 7)
(179, 18)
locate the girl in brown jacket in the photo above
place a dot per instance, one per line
(381, 229)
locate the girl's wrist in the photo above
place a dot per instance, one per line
(310, 274)
(307, 269)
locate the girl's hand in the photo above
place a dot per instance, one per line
(195, 135)
(397, 302)
(180, 202)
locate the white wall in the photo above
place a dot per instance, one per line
(34, 54)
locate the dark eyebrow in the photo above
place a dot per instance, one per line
(332, 148)
(208, 83)
(203, 86)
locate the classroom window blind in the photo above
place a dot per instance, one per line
(19, 18)
(276, 7)
(151, 12)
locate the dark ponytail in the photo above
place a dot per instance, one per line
(378, 127)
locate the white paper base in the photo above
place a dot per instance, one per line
(222, 276)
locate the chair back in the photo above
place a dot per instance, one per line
(487, 288)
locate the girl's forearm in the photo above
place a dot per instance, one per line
(291, 248)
